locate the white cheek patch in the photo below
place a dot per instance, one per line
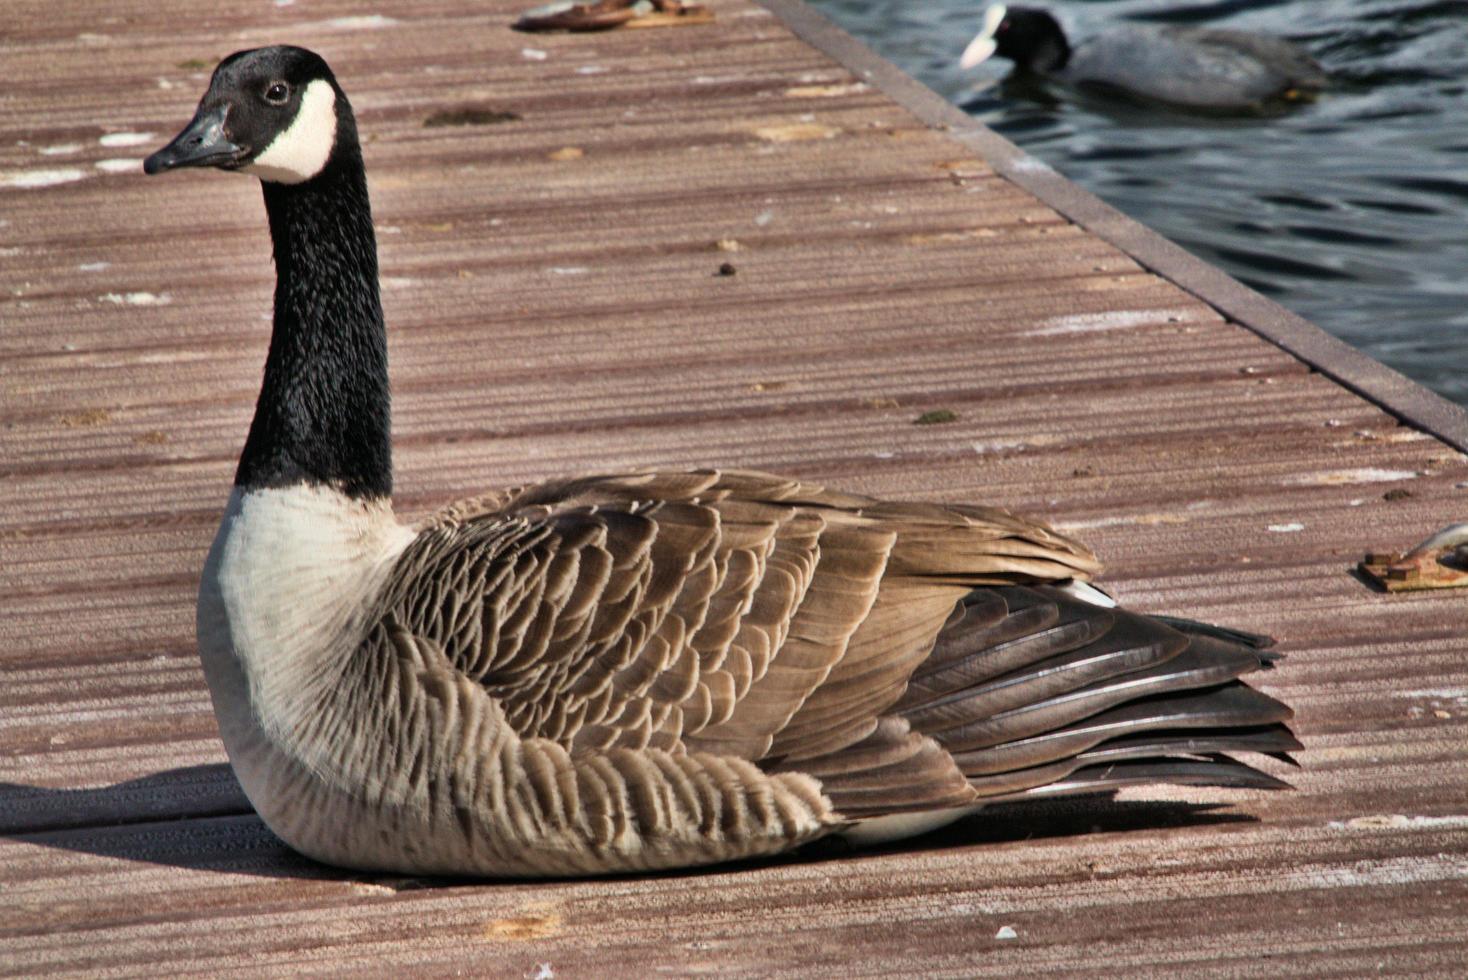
(302, 149)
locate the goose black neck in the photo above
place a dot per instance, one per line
(323, 416)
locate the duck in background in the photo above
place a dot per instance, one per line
(1190, 67)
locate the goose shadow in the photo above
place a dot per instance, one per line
(197, 818)
(1073, 817)
(192, 817)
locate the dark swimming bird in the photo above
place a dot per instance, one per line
(635, 670)
(1198, 68)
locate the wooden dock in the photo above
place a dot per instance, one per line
(555, 304)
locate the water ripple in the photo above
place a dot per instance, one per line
(1349, 210)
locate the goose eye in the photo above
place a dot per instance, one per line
(277, 93)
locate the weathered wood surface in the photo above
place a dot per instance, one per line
(552, 312)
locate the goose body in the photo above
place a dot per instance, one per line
(638, 670)
(1192, 67)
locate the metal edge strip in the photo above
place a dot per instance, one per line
(1400, 396)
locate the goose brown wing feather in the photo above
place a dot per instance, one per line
(738, 616)
(729, 612)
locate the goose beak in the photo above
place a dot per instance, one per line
(984, 45)
(201, 144)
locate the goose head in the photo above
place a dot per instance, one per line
(275, 112)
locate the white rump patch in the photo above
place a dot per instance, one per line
(982, 47)
(1086, 592)
(898, 826)
(302, 149)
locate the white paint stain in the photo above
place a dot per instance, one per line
(363, 23)
(120, 166)
(60, 149)
(764, 218)
(1098, 322)
(1367, 474)
(1030, 165)
(1143, 519)
(1440, 693)
(533, 54)
(1390, 871)
(136, 299)
(28, 179)
(1290, 528)
(825, 91)
(93, 266)
(1005, 445)
(591, 70)
(1006, 932)
(797, 132)
(569, 270)
(1397, 821)
(126, 139)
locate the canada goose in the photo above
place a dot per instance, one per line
(1200, 68)
(633, 671)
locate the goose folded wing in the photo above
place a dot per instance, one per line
(730, 612)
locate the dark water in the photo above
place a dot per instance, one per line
(1352, 210)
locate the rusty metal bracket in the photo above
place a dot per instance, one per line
(1440, 562)
(603, 15)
